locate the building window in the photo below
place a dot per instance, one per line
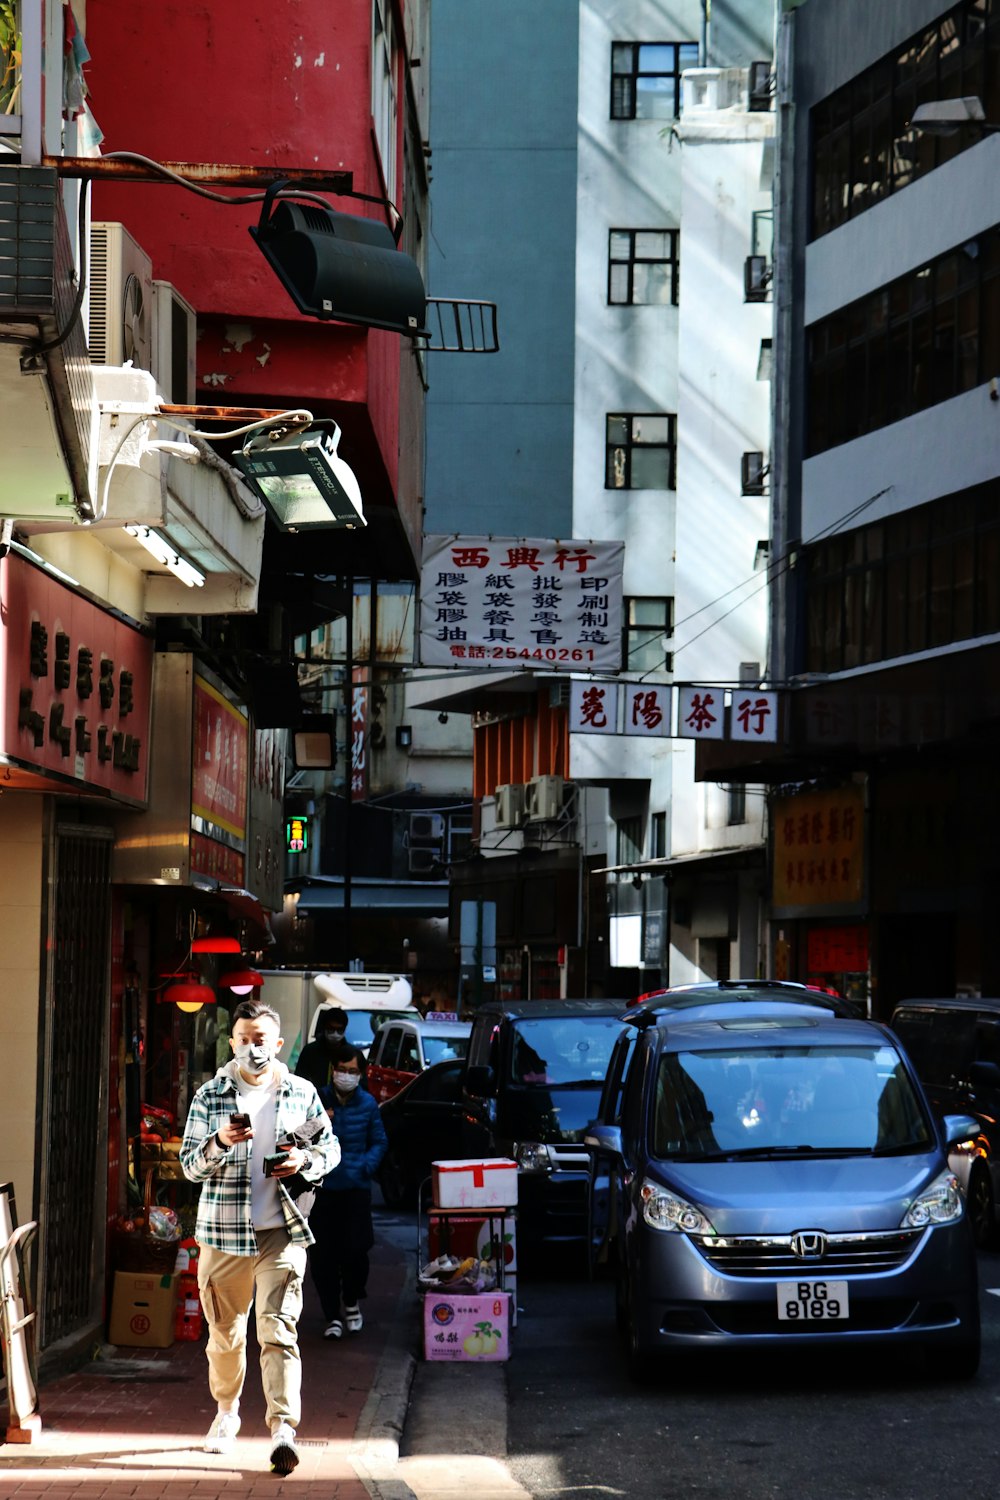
(736, 804)
(629, 841)
(917, 581)
(640, 451)
(384, 112)
(648, 622)
(924, 338)
(646, 78)
(643, 267)
(658, 836)
(863, 147)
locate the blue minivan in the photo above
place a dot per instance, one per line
(769, 1174)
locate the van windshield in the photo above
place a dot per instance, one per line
(779, 1100)
(562, 1050)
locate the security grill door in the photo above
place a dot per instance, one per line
(71, 1204)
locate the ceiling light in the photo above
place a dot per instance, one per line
(188, 993)
(241, 981)
(218, 944)
(302, 479)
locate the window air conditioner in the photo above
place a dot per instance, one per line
(753, 472)
(175, 332)
(121, 298)
(756, 278)
(543, 798)
(508, 806)
(761, 86)
(425, 861)
(426, 828)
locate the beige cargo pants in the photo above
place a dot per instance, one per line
(272, 1281)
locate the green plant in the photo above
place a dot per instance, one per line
(10, 57)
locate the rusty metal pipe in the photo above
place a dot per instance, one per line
(100, 168)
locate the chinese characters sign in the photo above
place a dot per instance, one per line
(219, 775)
(818, 842)
(76, 685)
(702, 712)
(359, 736)
(503, 603)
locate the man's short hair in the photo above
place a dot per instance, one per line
(347, 1052)
(253, 1010)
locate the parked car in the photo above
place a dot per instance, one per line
(533, 1083)
(679, 995)
(422, 1123)
(777, 1178)
(955, 1047)
(402, 1049)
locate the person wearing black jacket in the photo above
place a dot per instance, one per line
(315, 1059)
(341, 1219)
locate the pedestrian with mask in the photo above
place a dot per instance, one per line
(329, 1030)
(341, 1219)
(255, 1135)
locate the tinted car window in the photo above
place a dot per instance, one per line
(940, 1043)
(559, 1050)
(409, 1054)
(389, 1041)
(441, 1085)
(789, 1098)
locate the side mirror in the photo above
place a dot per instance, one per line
(604, 1138)
(479, 1081)
(959, 1128)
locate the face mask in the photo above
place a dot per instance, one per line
(333, 1036)
(253, 1059)
(346, 1082)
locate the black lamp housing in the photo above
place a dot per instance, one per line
(337, 266)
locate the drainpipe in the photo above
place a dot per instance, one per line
(706, 11)
(781, 591)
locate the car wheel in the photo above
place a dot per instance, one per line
(957, 1362)
(979, 1207)
(397, 1191)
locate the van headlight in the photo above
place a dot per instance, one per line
(532, 1156)
(941, 1203)
(663, 1210)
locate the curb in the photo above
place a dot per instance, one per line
(379, 1429)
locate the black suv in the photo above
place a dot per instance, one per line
(532, 1085)
(954, 1046)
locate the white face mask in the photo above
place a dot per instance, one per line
(346, 1082)
(253, 1059)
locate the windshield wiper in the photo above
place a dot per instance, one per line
(907, 1148)
(771, 1153)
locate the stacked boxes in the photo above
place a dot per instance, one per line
(473, 1326)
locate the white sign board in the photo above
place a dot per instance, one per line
(647, 710)
(506, 602)
(754, 716)
(701, 713)
(593, 707)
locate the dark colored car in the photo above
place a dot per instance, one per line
(776, 1179)
(955, 1047)
(679, 996)
(533, 1083)
(423, 1124)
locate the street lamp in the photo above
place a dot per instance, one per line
(949, 116)
(302, 479)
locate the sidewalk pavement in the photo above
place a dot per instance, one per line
(131, 1423)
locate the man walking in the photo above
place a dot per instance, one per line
(250, 1131)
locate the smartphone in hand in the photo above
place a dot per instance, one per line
(240, 1122)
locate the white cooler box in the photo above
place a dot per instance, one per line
(489, 1183)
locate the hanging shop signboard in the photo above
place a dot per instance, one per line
(680, 711)
(819, 846)
(76, 685)
(510, 603)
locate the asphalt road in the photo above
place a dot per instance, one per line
(864, 1428)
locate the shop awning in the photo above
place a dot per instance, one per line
(746, 858)
(417, 898)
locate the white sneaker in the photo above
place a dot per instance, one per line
(222, 1433)
(284, 1454)
(352, 1317)
(334, 1330)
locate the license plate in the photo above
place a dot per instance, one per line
(812, 1301)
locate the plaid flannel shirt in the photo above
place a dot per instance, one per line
(224, 1216)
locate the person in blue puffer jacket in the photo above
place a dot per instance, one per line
(341, 1219)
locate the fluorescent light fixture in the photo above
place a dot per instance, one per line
(159, 548)
(302, 479)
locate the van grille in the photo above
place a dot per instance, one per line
(772, 1255)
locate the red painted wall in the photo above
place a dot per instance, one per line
(284, 84)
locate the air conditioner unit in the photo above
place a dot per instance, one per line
(753, 472)
(425, 861)
(508, 807)
(426, 828)
(761, 86)
(756, 278)
(121, 298)
(175, 332)
(543, 798)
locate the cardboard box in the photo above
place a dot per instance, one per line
(472, 1234)
(143, 1309)
(467, 1327)
(482, 1183)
